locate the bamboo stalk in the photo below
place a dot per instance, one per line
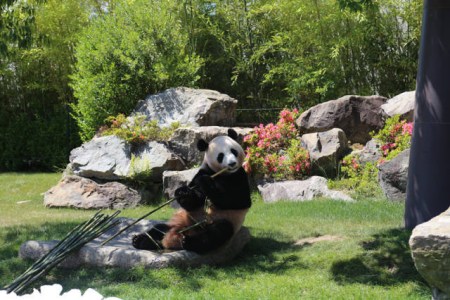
(74, 240)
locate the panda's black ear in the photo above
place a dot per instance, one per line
(232, 134)
(202, 145)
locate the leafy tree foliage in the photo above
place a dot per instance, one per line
(266, 53)
(278, 53)
(136, 49)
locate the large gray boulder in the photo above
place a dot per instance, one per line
(78, 192)
(371, 152)
(402, 104)
(175, 179)
(155, 158)
(326, 149)
(356, 115)
(106, 157)
(430, 244)
(393, 176)
(111, 158)
(121, 254)
(193, 107)
(184, 140)
(299, 190)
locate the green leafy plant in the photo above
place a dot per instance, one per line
(275, 151)
(358, 178)
(362, 178)
(394, 137)
(138, 49)
(137, 129)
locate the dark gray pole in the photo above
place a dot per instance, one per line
(428, 192)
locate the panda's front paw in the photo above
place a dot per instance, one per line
(187, 198)
(184, 193)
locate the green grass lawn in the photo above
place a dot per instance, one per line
(368, 259)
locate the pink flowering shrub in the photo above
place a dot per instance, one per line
(362, 178)
(394, 137)
(275, 150)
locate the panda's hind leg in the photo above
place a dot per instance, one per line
(151, 240)
(214, 236)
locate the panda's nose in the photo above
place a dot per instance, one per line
(232, 164)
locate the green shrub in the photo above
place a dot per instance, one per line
(275, 151)
(394, 137)
(360, 179)
(137, 49)
(137, 129)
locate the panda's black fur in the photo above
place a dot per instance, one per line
(228, 196)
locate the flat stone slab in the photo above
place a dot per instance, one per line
(120, 253)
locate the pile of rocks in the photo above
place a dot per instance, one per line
(101, 171)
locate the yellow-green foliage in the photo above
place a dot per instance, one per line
(137, 129)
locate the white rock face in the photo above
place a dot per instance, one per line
(299, 190)
(402, 104)
(193, 107)
(111, 158)
(120, 253)
(106, 157)
(430, 244)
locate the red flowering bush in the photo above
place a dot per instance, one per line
(275, 150)
(394, 137)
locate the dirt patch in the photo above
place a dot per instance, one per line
(316, 239)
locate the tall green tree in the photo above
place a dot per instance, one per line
(37, 131)
(140, 47)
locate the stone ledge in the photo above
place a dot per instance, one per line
(120, 253)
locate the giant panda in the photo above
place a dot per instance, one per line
(213, 208)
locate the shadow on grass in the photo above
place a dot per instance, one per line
(268, 252)
(386, 261)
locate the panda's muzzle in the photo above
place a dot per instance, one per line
(231, 165)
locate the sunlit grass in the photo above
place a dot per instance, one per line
(370, 259)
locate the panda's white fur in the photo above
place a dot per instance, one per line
(223, 145)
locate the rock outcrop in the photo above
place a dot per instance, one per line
(106, 157)
(357, 116)
(78, 192)
(184, 140)
(111, 158)
(326, 149)
(120, 253)
(430, 244)
(402, 104)
(299, 190)
(193, 107)
(393, 176)
(175, 179)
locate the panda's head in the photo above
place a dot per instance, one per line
(222, 152)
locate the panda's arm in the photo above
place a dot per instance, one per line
(228, 192)
(190, 197)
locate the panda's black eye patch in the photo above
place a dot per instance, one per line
(234, 151)
(220, 157)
